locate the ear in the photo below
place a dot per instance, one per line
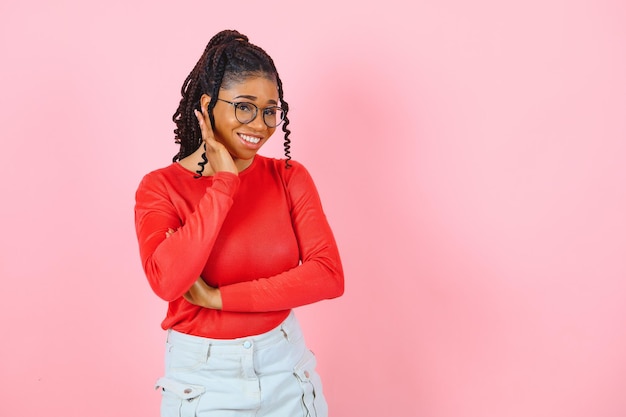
(204, 101)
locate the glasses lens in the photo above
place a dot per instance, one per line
(273, 116)
(245, 112)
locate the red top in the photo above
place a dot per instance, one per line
(261, 237)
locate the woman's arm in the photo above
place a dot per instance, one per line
(173, 264)
(319, 275)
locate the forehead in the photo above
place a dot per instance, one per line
(262, 88)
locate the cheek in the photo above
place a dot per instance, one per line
(224, 128)
(222, 135)
(224, 117)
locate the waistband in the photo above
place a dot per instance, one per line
(289, 329)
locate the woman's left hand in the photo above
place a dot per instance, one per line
(201, 293)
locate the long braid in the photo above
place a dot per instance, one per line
(285, 128)
(228, 58)
(219, 63)
(188, 133)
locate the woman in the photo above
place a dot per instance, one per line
(234, 241)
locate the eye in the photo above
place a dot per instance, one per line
(270, 111)
(245, 107)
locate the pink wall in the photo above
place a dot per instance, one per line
(471, 157)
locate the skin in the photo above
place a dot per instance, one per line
(224, 146)
(227, 151)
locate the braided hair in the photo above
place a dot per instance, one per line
(227, 59)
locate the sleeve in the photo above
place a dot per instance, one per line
(173, 264)
(319, 275)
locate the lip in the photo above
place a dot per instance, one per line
(251, 145)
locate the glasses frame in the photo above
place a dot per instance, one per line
(256, 112)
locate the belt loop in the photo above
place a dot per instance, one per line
(285, 334)
(208, 352)
(169, 331)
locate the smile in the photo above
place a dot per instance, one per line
(250, 139)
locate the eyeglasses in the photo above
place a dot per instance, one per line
(246, 112)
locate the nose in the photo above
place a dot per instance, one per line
(257, 123)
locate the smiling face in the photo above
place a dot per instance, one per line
(243, 141)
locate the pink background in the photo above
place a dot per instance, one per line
(472, 161)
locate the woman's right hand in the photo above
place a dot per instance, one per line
(219, 158)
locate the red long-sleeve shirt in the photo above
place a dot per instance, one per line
(261, 237)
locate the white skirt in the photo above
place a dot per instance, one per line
(269, 375)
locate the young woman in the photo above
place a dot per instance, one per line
(233, 241)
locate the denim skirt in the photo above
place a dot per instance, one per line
(268, 375)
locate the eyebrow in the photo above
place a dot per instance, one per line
(253, 98)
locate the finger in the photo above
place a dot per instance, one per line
(199, 116)
(205, 128)
(192, 294)
(200, 119)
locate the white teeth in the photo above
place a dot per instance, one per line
(250, 139)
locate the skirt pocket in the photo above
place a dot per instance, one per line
(179, 399)
(312, 401)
